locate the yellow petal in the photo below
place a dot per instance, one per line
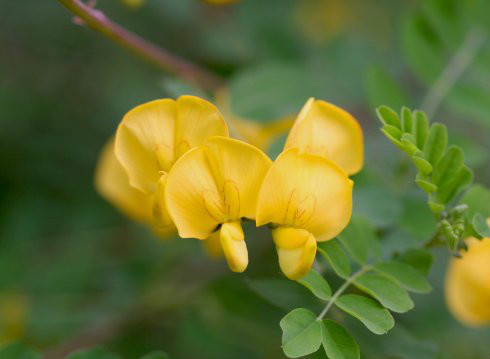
(152, 136)
(306, 191)
(295, 261)
(234, 246)
(145, 142)
(326, 130)
(467, 284)
(192, 196)
(214, 183)
(197, 120)
(212, 245)
(111, 181)
(289, 237)
(239, 169)
(161, 218)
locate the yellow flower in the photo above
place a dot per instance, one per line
(14, 309)
(257, 134)
(134, 3)
(211, 188)
(326, 130)
(305, 198)
(468, 284)
(112, 183)
(153, 136)
(220, 2)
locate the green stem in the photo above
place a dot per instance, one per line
(462, 58)
(342, 289)
(98, 21)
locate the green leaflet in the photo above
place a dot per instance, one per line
(448, 166)
(373, 315)
(436, 143)
(388, 116)
(301, 333)
(335, 257)
(480, 225)
(407, 121)
(386, 291)
(317, 285)
(357, 237)
(461, 179)
(408, 277)
(337, 341)
(421, 128)
(478, 200)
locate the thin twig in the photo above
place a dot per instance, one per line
(463, 57)
(98, 21)
(341, 290)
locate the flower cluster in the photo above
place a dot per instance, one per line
(173, 165)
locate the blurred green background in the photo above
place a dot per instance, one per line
(75, 273)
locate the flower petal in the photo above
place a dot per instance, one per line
(468, 286)
(214, 183)
(197, 120)
(234, 246)
(239, 169)
(192, 196)
(295, 256)
(306, 191)
(212, 245)
(145, 142)
(112, 182)
(326, 130)
(161, 218)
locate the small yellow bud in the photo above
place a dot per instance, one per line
(234, 246)
(296, 249)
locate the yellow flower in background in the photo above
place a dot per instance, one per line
(305, 198)
(326, 130)
(112, 183)
(211, 188)
(14, 310)
(321, 20)
(220, 2)
(260, 135)
(153, 136)
(468, 284)
(134, 3)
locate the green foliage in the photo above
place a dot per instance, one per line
(156, 355)
(97, 352)
(442, 173)
(372, 314)
(386, 282)
(383, 89)
(480, 225)
(317, 285)
(302, 333)
(336, 257)
(337, 342)
(405, 275)
(443, 38)
(386, 291)
(420, 259)
(269, 91)
(356, 237)
(18, 351)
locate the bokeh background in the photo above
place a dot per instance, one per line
(76, 273)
